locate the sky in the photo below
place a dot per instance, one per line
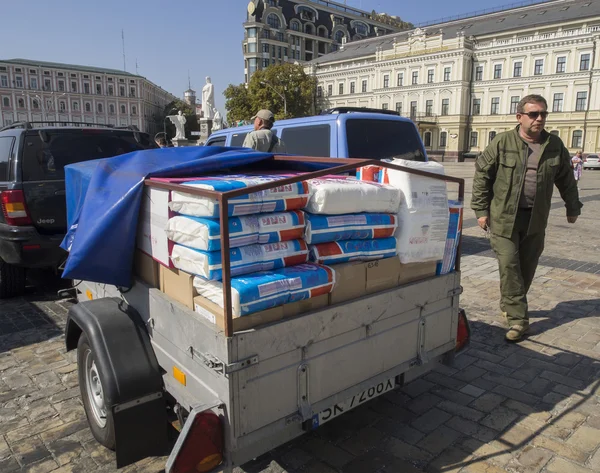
(166, 39)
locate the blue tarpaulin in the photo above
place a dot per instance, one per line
(104, 198)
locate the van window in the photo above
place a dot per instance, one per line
(383, 139)
(312, 140)
(237, 139)
(6, 144)
(220, 141)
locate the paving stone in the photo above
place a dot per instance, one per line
(403, 450)
(471, 390)
(431, 420)
(8, 465)
(417, 387)
(472, 429)
(585, 438)
(363, 441)
(316, 466)
(444, 380)
(516, 394)
(571, 382)
(43, 466)
(377, 461)
(504, 380)
(399, 431)
(493, 452)
(482, 467)
(560, 448)
(500, 418)
(460, 410)
(560, 465)
(423, 403)
(439, 439)
(538, 387)
(533, 459)
(327, 453)
(454, 396)
(295, 458)
(463, 360)
(487, 402)
(450, 460)
(470, 373)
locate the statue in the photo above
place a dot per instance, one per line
(208, 98)
(217, 121)
(179, 122)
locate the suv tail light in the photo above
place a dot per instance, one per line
(199, 448)
(463, 335)
(14, 208)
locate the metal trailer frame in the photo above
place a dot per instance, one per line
(268, 383)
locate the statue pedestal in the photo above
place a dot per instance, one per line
(205, 129)
(179, 143)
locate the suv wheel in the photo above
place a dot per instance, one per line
(12, 280)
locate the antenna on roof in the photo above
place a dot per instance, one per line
(189, 81)
(136, 66)
(123, 42)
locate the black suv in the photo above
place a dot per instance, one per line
(33, 220)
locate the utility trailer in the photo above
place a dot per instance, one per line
(147, 361)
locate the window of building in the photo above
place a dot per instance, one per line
(495, 106)
(134, 110)
(364, 86)
(581, 101)
(279, 51)
(4, 81)
(19, 82)
(86, 88)
(384, 106)
(474, 139)
(498, 71)
(295, 25)
(427, 139)
(491, 136)
(123, 109)
(33, 83)
(265, 48)
(309, 29)
(122, 91)
(330, 90)
(413, 109)
(429, 108)
(273, 21)
(415, 77)
(60, 74)
(399, 108)
(5, 101)
(76, 106)
(577, 139)
(400, 79)
(430, 73)
(100, 108)
(561, 64)
(352, 87)
(386, 81)
(73, 86)
(447, 72)
(279, 36)
(476, 106)
(555, 133)
(445, 106)
(341, 88)
(312, 140)
(35, 104)
(361, 29)
(443, 139)
(557, 103)
(514, 102)
(265, 63)
(272, 3)
(339, 36)
(21, 103)
(584, 62)
(61, 85)
(539, 67)
(517, 69)
(266, 34)
(111, 109)
(88, 107)
(479, 73)
(319, 91)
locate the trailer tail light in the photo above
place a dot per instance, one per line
(14, 208)
(199, 448)
(463, 334)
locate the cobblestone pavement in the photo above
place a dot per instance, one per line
(525, 408)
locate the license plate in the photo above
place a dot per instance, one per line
(337, 409)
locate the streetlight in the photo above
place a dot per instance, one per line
(264, 82)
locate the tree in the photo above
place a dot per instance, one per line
(173, 108)
(284, 89)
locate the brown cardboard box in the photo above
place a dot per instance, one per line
(416, 271)
(146, 268)
(307, 305)
(350, 282)
(382, 274)
(215, 314)
(178, 285)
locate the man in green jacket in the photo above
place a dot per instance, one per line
(512, 193)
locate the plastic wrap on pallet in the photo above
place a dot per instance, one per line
(352, 250)
(264, 290)
(454, 231)
(365, 226)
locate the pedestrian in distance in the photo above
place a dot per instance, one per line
(262, 138)
(577, 163)
(512, 192)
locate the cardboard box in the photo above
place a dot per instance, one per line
(154, 215)
(146, 268)
(350, 282)
(382, 274)
(307, 305)
(416, 271)
(178, 285)
(216, 315)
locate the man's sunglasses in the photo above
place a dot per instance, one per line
(535, 115)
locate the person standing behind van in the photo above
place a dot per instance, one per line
(262, 138)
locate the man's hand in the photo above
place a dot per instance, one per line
(572, 219)
(484, 222)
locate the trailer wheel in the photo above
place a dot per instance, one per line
(98, 414)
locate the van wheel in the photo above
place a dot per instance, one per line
(98, 414)
(12, 280)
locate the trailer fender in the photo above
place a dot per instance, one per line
(130, 374)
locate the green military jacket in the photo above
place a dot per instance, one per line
(498, 182)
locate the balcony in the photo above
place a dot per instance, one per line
(424, 118)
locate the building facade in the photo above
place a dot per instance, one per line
(278, 31)
(461, 81)
(52, 92)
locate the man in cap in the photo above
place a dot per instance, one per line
(262, 138)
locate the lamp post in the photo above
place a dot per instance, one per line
(264, 82)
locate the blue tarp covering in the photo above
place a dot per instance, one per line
(104, 198)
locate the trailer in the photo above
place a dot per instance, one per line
(147, 361)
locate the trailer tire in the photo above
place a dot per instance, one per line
(99, 415)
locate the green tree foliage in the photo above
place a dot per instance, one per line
(267, 89)
(173, 108)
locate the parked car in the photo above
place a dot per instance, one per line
(591, 161)
(342, 132)
(32, 189)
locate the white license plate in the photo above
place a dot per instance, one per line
(337, 409)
